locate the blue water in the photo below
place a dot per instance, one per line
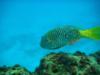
(22, 23)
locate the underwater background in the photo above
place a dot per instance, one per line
(24, 22)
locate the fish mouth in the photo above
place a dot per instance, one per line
(44, 43)
(48, 46)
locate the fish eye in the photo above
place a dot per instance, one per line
(49, 40)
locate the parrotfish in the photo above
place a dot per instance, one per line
(67, 35)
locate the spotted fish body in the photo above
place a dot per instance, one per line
(59, 37)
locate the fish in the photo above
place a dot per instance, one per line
(67, 35)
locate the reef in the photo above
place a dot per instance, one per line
(14, 70)
(69, 64)
(97, 56)
(60, 63)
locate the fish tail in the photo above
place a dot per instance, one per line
(93, 33)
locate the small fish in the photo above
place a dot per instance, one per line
(66, 35)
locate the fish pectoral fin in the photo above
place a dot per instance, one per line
(72, 42)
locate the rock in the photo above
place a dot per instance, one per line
(60, 64)
(14, 70)
(68, 64)
(97, 56)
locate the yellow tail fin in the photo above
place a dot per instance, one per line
(93, 33)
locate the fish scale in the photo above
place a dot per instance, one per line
(59, 37)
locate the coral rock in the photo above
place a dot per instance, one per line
(68, 64)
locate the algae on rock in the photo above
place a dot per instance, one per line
(60, 64)
(68, 64)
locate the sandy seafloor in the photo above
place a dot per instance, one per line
(23, 22)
